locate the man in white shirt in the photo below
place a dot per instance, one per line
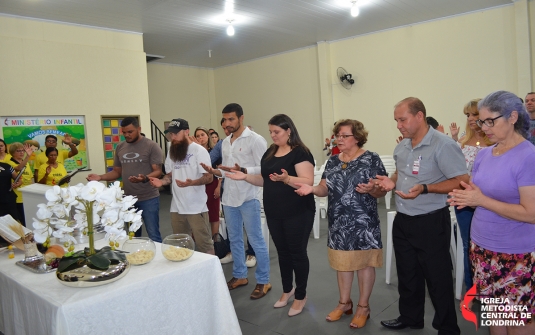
(243, 151)
(187, 178)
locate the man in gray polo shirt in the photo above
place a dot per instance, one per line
(429, 164)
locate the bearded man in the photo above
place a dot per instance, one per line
(187, 178)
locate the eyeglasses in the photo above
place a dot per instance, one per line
(20, 150)
(51, 141)
(342, 136)
(487, 122)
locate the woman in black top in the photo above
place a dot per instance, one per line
(8, 198)
(290, 217)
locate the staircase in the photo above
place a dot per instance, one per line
(159, 137)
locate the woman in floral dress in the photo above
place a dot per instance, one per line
(354, 242)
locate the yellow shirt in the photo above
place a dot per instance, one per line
(55, 174)
(42, 159)
(7, 158)
(27, 179)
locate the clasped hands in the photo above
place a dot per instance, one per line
(471, 196)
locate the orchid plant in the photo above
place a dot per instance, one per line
(93, 203)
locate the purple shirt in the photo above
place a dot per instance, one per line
(499, 177)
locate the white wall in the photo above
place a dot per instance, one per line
(444, 62)
(184, 92)
(282, 84)
(58, 69)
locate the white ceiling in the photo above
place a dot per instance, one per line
(184, 30)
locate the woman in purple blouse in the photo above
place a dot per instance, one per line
(502, 190)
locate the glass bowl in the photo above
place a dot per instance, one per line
(140, 250)
(178, 247)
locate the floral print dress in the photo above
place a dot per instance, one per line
(353, 217)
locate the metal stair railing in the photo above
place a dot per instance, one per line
(159, 137)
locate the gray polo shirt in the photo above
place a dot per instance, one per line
(440, 159)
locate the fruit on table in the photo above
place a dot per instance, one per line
(54, 251)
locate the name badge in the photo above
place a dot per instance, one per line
(416, 167)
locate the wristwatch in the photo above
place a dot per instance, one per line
(244, 170)
(146, 180)
(425, 191)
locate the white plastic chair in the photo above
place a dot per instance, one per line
(263, 221)
(390, 167)
(457, 254)
(389, 244)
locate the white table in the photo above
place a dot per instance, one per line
(161, 297)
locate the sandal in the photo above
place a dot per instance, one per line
(359, 322)
(336, 314)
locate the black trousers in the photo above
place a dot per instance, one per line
(290, 236)
(421, 245)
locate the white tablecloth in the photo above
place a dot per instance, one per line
(161, 297)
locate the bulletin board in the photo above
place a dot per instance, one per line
(34, 129)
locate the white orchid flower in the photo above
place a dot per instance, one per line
(109, 217)
(53, 194)
(128, 202)
(40, 235)
(90, 191)
(114, 233)
(43, 213)
(39, 225)
(69, 194)
(108, 206)
(59, 210)
(62, 230)
(106, 198)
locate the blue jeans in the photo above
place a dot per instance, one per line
(247, 214)
(151, 218)
(464, 220)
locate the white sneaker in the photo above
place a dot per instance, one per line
(250, 261)
(226, 259)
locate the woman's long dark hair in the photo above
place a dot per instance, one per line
(283, 121)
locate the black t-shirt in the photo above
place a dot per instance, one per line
(6, 172)
(280, 200)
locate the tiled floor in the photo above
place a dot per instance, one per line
(258, 317)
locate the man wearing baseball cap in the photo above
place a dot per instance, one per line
(187, 178)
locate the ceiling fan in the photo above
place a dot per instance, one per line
(346, 79)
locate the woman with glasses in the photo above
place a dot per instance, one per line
(203, 138)
(286, 164)
(19, 161)
(471, 142)
(354, 242)
(502, 191)
(52, 171)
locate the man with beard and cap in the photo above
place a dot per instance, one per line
(136, 160)
(189, 212)
(243, 151)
